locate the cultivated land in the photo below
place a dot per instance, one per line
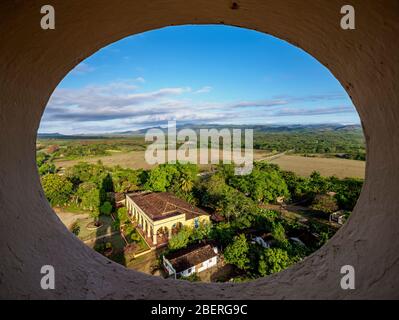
(304, 166)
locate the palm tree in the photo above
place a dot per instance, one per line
(186, 184)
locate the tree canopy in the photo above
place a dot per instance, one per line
(58, 189)
(236, 253)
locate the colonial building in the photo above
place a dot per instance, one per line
(193, 259)
(160, 214)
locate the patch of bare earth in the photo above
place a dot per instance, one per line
(69, 218)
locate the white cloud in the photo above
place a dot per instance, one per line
(140, 79)
(205, 89)
(118, 106)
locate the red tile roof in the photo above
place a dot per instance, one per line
(161, 205)
(189, 257)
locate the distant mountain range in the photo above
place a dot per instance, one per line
(257, 129)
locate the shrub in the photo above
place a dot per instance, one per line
(106, 208)
(180, 240)
(192, 277)
(273, 260)
(75, 228)
(100, 247)
(131, 233)
(122, 215)
(325, 203)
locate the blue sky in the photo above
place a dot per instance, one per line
(196, 74)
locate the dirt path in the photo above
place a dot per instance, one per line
(274, 156)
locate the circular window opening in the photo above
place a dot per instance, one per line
(204, 153)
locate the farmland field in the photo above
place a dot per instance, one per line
(304, 166)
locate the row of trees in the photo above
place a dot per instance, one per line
(91, 186)
(346, 190)
(344, 143)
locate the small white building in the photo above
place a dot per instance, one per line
(193, 259)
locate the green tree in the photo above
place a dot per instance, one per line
(202, 232)
(222, 233)
(318, 184)
(265, 183)
(122, 215)
(125, 180)
(159, 179)
(325, 203)
(58, 189)
(181, 239)
(89, 197)
(186, 183)
(278, 233)
(236, 253)
(348, 191)
(46, 168)
(273, 260)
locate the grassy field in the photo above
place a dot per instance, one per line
(304, 166)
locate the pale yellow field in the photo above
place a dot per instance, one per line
(304, 166)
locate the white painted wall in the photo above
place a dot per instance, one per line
(208, 264)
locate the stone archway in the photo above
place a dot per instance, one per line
(364, 60)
